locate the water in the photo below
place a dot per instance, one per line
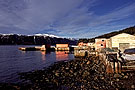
(14, 61)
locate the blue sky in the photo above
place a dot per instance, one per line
(66, 18)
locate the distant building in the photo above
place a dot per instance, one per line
(82, 44)
(121, 41)
(62, 45)
(100, 43)
(89, 46)
(85, 44)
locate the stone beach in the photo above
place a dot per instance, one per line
(79, 74)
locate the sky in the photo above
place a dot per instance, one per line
(66, 18)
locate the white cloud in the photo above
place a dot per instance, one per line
(37, 15)
(63, 17)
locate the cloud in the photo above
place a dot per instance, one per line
(98, 25)
(35, 15)
(117, 14)
(73, 18)
(81, 23)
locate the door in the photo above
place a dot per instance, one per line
(123, 46)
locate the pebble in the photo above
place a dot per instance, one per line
(75, 74)
(125, 77)
(117, 80)
(117, 76)
(132, 86)
(88, 62)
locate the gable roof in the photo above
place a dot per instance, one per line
(123, 35)
(113, 35)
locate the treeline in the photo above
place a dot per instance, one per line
(32, 40)
(130, 30)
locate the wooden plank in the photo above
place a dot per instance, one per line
(133, 66)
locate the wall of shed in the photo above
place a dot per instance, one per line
(100, 43)
(123, 39)
(62, 45)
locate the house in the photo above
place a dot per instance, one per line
(82, 44)
(120, 41)
(100, 43)
(85, 44)
(62, 47)
(123, 41)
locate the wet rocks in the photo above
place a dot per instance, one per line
(133, 86)
(77, 74)
(83, 73)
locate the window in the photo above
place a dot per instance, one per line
(102, 40)
(101, 44)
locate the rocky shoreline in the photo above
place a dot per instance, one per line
(89, 73)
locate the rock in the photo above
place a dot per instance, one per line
(56, 74)
(117, 80)
(125, 77)
(102, 78)
(67, 68)
(133, 86)
(77, 74)
(117, 76)
(88, 62)
(122, 74)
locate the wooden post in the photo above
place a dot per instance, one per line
(116, 67)
(112, 65)
(109, 68)
(120, 67)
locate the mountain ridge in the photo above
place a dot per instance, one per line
(35, 39)
(129, 30)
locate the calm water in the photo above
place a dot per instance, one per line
(14, 61)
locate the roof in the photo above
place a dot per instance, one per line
(123, 35)
(107, 36)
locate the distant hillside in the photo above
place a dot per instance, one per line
(130, 30)
(37, 39)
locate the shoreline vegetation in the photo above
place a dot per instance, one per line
(81, 73)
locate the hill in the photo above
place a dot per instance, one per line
(130, 30)
(37, 39)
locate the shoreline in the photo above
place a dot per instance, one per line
(88, 73)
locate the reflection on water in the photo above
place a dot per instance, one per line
(14, 61)
(43, 55)
(61, 55)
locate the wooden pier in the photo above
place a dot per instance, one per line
(114, 64)
(84, 51)
(41, 48)
(111, 59)
(62, 49)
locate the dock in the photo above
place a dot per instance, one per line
(36, 48)
(110, 58)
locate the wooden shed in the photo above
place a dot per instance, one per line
(62, 47)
